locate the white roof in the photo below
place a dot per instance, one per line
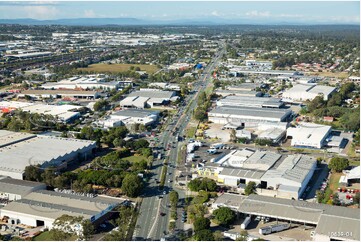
(38, 150)
(354, 173)
(308, 132)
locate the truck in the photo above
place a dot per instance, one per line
(273, 228)
(246, 222)
(217, 146)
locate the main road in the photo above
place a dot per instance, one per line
(153, 219)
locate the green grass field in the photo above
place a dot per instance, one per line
(116, 68)
(135, 158)
(45, 236)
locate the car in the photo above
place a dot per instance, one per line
(169, 180)
(103, 226)
(164, 192)
(161, 213)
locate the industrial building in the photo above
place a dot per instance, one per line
(18, 151)
(148, 98)
(64, 113)
(247, 116)
(129, 117)
(41, 208)
(242, 93)
(309, 135)
(303, 92)
(247, 86)
(330, 223)
(277, 175)
(82, 82)
(256, 102)
(77, 94)
(14, 189)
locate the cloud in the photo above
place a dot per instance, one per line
(215, 13)
(256, 13)
(41, 12)
(286, 15)
(89, 13)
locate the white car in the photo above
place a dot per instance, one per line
(165, 192)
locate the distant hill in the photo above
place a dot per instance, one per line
(135, 21)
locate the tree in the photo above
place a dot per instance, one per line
(250, 188)
(336, 200)
(88, 229)
(338, 164)
(316, 103)
(218, 236)
(320, 196)
(201, 223)
(205, 184)
(132, 185)
(33, 173)
(225, 216)
(100, 105)
(204, 235)
(263, 142)
(173, 198)
(59, 235)
(243, 235)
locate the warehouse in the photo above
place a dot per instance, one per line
(241, 93)
(309, 135)
(16, 154)
(42, 208)
(246, 116)
(256, 102)
(148, 98)
(40, 94)
(82, 82)
(14, 189)
(303, 92)
(64, 113)
(129, 117)
(278, 175)
(330, 222)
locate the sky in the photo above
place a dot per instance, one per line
(313, 12)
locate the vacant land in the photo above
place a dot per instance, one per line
(135, 158)
(341, 75)
(116, 68)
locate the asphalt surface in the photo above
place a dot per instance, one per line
(151, 224)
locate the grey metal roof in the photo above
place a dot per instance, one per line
(9, 137)
(244, 173)
(329, 219)
(254, 112)
(250, 101)
(50, 204)
(153, 94)
(135, 113)
(339, 228)
(19, 187)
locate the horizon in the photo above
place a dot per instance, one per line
(241, 12)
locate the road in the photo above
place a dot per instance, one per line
(150, 224)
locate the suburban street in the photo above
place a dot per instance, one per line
(150, 224)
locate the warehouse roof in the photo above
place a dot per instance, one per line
(9, 137)
(250, 101)
(38, 151)
(244, 173)
(58, 91)
(254, 112)
(49, 204)
(140, 113)
(153, 94)
(328, 218)
(237, 92)
(19, 187)
(309, 132)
